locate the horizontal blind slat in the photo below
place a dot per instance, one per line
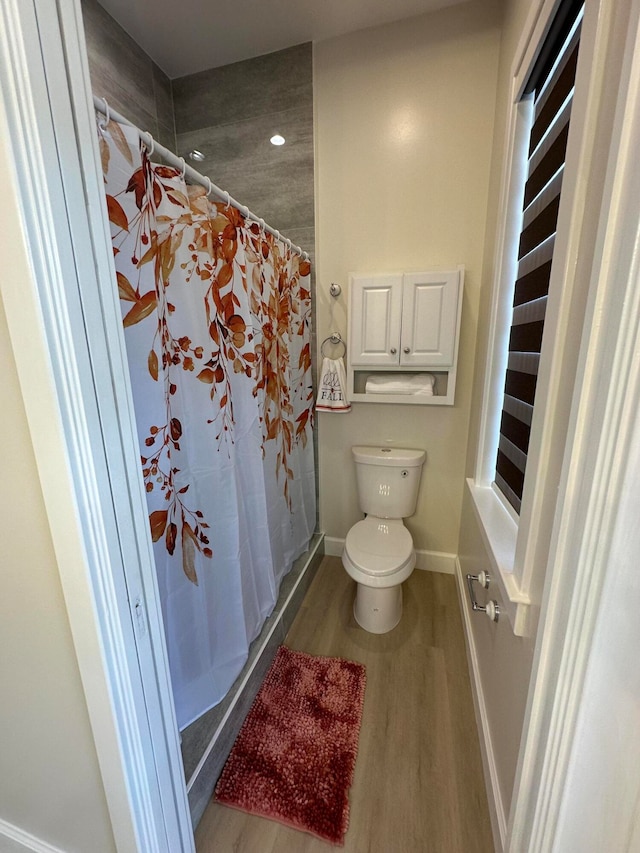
(530, 312)
(512, 475)
(515, 430)
(548, 165)
(536, 258)
(526, 337)
(513, 453)
(521, 385)
(508, 492)
(543, 226)
(524, 362)
(522, 411)
(551, 190)
(533, 285)
(547, 107)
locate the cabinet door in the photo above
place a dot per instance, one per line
(429, 318)
(376, 305)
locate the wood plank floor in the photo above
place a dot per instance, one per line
(418, 782)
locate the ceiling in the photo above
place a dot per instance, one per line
(193, 35)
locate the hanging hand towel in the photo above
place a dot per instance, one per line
(332, 391)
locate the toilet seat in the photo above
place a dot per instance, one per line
(378, 547)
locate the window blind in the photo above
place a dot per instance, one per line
(551, 85)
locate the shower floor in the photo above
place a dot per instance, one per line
(418, 782)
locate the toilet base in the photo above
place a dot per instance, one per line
(376, 609)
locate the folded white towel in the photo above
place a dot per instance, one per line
(401, 383)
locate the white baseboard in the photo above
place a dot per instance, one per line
(332, 546)
(429, 561)
(496, 806)
(26, 840)
(436, 561)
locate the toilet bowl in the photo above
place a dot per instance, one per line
(379, 556)
(378, 551)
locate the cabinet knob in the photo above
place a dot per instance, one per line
(393, 350)
(406, 349)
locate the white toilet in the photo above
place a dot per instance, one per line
(378, 551)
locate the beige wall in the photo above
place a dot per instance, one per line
(50, 783)
(404, 126)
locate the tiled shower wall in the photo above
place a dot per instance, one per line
(230, 113)
(130, 80)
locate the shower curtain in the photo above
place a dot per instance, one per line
(217, 327)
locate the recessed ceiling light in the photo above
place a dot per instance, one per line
(196, 155)
(277, 139)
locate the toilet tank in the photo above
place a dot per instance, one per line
(388, 479)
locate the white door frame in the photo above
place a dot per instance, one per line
(67, 339)
(603, 434)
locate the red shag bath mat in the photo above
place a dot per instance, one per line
(294, 758)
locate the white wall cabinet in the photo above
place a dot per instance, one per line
(407, 323)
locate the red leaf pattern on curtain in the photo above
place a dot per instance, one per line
(255, 297)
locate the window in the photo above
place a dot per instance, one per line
(550, 86)
(532, 346)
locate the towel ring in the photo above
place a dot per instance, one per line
(335, 338)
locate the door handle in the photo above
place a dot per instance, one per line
(492, 610)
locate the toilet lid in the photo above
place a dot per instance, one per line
(379, 546)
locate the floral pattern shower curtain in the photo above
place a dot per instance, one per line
(217, 327)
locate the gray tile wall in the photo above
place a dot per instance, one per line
(230, 113)
(122, 73)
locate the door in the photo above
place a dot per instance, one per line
(429, 315)
(376, 309)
